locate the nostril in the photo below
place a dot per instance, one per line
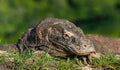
(84, 45)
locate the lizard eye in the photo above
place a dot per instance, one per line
(66, 36)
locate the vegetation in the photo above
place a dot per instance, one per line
(93, 16)
(43, 61)
(108, 61)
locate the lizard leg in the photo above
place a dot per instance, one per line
(85, 61)
(89, 59)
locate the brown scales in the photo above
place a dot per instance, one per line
(59, 37)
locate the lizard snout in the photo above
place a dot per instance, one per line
(88, 48)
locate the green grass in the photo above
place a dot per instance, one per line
(108, 61)
(43, 61)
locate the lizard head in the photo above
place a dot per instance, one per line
(78, 44)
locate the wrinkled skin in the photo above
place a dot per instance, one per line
(58, 37)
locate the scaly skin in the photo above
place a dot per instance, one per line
(57, 36)
(60, 37)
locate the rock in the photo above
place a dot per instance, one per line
(105, 44)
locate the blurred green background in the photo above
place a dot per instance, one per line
(93, 16)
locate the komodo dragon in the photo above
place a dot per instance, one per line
(57, 36)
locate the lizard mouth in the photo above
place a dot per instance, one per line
(86, 56)
(80, 52)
